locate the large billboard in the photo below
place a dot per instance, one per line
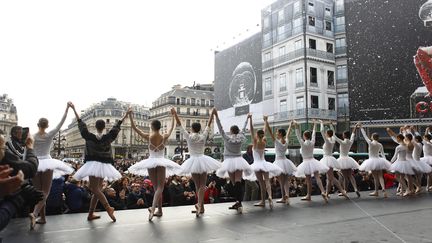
(238, 81)
(382, 38)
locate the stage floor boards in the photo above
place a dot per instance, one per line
(366, 219)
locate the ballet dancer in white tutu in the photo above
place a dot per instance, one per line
(287, 166)
(310, 166)
(422, 166)
(263, 169)
(409, 138)
(156, 166)
(98, 162)
(427, 156)
(400, 165)
(329, 160)
(347, 164)
(376, 162)
(198, 165)
(43, 142)
(234, 166)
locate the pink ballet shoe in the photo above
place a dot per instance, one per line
(324, 197)
(93, 217)
(151, 214)
(32, 221)
(374, 194)
(260, 204)
(307, 198)
(110, 211)
(270, 203)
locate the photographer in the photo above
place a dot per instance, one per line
(13, 194)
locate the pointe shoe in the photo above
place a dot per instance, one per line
(198, 210)
(283, 200)
(93, 217)
(324, 197)
(235, 206)
(341, 194)
(399, 193)
(32, 221)
(158, 213)
(151, 214)
(373, 194)
(40, 221)
(345, 195)
(110, 211)
(240, 208)
(260, 204)
(419, 190)
(270, 203)
(307, 198)
(358, 194)
(407, 193)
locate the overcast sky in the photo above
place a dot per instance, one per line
(86, 51)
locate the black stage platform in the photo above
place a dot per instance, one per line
(367, 219)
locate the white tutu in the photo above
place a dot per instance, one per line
(346, 163)
(422, 167)
(59, 167)
(402, 166)
(330, 161)
(232, 164)
(264, 166)
(198, 164)
(286, 165)
(97, 169)
(375, 164)
(427, 160)
(309, 167)
(141, 168)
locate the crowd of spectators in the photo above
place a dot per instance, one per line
(132, 192)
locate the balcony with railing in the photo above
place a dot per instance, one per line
(284, 58)
(313, 113)
(339, 28)
(342, 81)
(320, 54)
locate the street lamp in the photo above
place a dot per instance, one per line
(59, 140)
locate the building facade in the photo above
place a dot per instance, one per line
(8, 114)
(128, 143)
(304, 61)
(193, 104)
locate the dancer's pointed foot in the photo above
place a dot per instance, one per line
(234, 206)
(283, 200)
(419, 190)
(385, 195)
(374, 194)
(151, 213)
(399, 193)
(110, 211)
(158, 213)
(407, 193)
(240, 208)
(260, 204)
(32, 218)
(324, 197)
(198, 210)
(41, 221)
(270, 202)
(92, 216)
(307, 198)
(344, 193)
(358, 194)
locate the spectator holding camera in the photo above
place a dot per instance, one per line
(14, 195)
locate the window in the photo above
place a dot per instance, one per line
(267, 39)
(197, 102)
(281, 31)
(178, 101)
(311, 7)
(282, 51)
(311, 21)
(296, 7)
(328, 25)
(282, 82)
(177, 135)
(312, 44)
(183, 100)
(266, 22)
(341, 42)
(202, 102)
(298, 44)
(193, 101)
(329, 47)
(188, 111)
(331, 104)
(281, 16)
(299, 78)
(339, 5)
(340, 21)
(314, 102)
(300, 103)
(207, 112)
(342, 73)
(267, 56)
(313, 76)
(107, 121)
(187, 101)
(268, 86)
(330, 78)
(188, 123)
(342, 103)
(283, 107)
(327, 12)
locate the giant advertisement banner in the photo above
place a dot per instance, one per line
(383, 36)
(238, 81)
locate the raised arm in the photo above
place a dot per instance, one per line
(222, 132)
(53, 132)
(313, 132)
(365, 135)
(73, 108)
(245, 124)
(114, 131)
(81, 125)
(251, 129)
(168, 134)
(289, 131)
(322, 130)
(174, 113)
(182, 129)
(392, 134)
(297, 132)
(134, 127)
(266, 125)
